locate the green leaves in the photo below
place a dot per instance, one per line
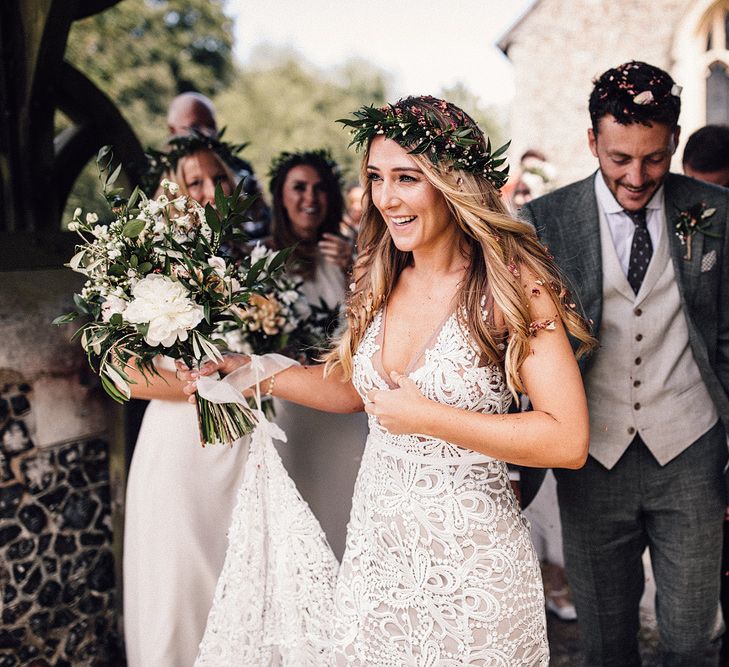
(211, 217)
(221, 201)
(417, 128)
(133, 228)
(81, 305)
(65, 319)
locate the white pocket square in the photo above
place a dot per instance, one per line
(708, 261)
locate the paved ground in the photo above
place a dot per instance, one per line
(564, 637)
(564, 640)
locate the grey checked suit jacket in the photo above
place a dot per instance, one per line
(567, 222)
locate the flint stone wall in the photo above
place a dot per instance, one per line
(58, 595)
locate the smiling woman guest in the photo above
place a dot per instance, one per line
(455, 307)
(323, 450)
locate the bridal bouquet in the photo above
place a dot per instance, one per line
(156, 285)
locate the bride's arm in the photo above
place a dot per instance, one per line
(555, 434)
(165, 388)
(305, 385)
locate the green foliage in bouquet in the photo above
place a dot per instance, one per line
(281, 320)
(157, 285)
(314, 335)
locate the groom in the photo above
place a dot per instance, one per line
(647, 254)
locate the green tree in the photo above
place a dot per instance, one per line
(279, 102)
(142, 53)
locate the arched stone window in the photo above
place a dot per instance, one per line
(715, 25)
(700, 54)
(717, 94)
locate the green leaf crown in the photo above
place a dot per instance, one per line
(318, 156)
(456, 140)
(159, 162)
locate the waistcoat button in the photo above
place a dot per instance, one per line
(639, 337)
(637, 361)
(631, 430)
(636, 406)
(638, 312)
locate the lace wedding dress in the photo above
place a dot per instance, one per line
(438, 569)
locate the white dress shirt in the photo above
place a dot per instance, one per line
(621, 226)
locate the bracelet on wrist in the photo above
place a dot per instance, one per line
(271, 383)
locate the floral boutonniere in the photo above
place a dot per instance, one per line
(688, 222)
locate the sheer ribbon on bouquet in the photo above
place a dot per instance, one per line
(274, 599)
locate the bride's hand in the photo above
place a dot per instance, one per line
(229, 363)
(398, 410)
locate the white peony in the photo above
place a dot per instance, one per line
(112, 305)
(166, 306)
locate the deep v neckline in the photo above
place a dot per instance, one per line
(410, 368)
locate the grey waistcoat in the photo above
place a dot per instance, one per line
(644, 376)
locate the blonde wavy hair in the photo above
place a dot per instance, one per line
(177, 175)
(498, 247)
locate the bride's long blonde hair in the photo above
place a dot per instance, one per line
(498, 246)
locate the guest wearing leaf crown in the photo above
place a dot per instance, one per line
(455, 307)
(179, 496)
(647, 253)
(323, 450)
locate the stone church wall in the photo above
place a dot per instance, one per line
(558, 49)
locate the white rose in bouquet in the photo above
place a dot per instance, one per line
(111, 306)
(166, 306)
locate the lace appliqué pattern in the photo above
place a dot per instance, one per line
(439, 568)
(273, 603)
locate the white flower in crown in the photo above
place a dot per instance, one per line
(165, 305)
(646, 97)
(676, 90)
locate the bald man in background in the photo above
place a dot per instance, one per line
(191, 111)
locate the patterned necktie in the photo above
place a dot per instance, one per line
(641, 250)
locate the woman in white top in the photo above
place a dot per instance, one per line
(324, 450)
(180, 496)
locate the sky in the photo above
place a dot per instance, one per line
(424, 45)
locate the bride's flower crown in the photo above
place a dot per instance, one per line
(459, 144)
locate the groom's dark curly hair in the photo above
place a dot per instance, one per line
(635, 92)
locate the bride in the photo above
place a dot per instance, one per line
(454, 309)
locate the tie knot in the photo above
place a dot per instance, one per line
(638, 217)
